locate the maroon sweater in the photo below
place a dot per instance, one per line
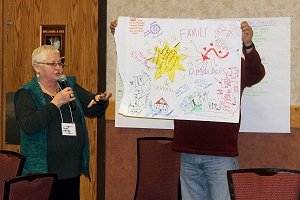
(217, 138)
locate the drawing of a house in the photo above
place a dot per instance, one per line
(161, 105)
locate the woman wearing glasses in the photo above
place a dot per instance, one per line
(54, 137)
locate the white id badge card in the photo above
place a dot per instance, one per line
(68, 129)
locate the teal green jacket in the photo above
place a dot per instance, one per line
(36, 160)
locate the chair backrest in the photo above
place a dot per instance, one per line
(158, 170)
(11, 165)
(37, 186)
(264, 184)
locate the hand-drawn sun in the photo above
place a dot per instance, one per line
(167, 61)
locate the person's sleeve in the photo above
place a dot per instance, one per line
(31, 119)
(85, 98)
(253, 70)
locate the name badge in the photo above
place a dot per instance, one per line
(68, 129)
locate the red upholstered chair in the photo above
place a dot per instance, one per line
(158, 170)
(36, 186)
(264, 184)
(11, 165)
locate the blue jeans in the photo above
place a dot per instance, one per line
(204, 177)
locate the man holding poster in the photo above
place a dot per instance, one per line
(209, 149)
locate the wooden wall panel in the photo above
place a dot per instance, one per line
(1, 69)
(81, 18)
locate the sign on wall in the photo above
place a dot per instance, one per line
(54, 35)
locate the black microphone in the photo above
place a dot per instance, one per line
(62, 80)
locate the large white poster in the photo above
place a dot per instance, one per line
(180, 69)
(266, 106)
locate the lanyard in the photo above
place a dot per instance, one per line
(61, 116)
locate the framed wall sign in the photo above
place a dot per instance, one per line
(54, 35)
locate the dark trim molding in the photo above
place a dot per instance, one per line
(101, 125)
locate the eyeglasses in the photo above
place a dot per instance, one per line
(52, 64)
